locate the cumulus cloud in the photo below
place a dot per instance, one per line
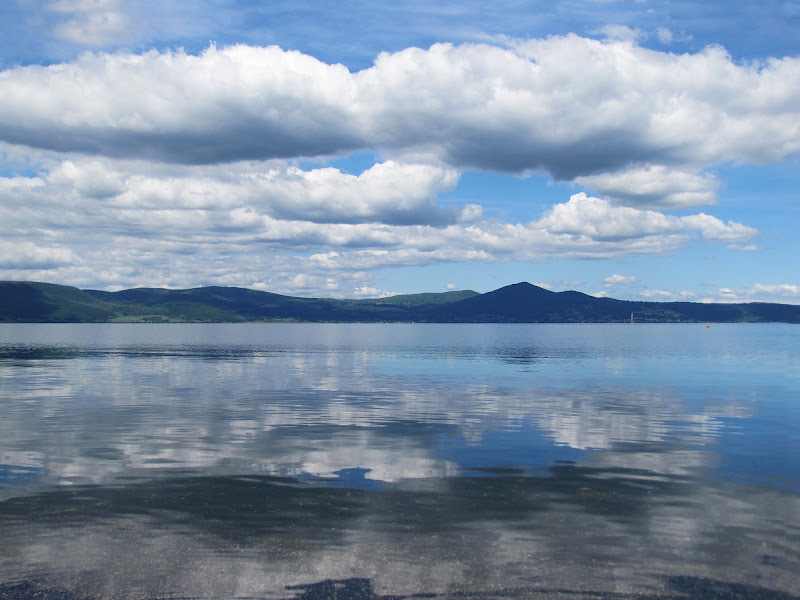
(654, 186)
(224, 105)
(763, 292)
(566, 105)
(560, 284)
(784, 289)
(176, 222)
(783, 293)
(102, 223)
(22, 255)
(91, 22)
(615, 280)
(665, 35)
(665, 296)
(598, 219)
(620, 33)
(156, 167)
(388, 192)
(715, 230)
(372, 292)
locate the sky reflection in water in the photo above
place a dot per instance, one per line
(246, 460)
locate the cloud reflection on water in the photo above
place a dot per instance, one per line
(205, 475)
(208, 536)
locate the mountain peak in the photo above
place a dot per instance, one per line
(523, 288)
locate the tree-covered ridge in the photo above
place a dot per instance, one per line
(35, 302)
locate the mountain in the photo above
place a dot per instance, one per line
(35, 302)
(527, 303)
(26, 301)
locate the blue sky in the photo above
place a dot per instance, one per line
(637, 149)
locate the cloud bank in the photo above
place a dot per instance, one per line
(282, 228)
(569, 106)
(149, 169)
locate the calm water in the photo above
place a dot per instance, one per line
(366, 461)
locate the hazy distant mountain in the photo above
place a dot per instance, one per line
(36, 302)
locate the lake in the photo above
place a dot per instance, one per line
(388, 461)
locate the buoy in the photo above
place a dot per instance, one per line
(708, 325)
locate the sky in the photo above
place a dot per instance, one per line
(637, 149)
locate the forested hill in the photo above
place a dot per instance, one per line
(36, 302)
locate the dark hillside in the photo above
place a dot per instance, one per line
(422, 299)
(35, 302)
(519, 303)
(215, 304)
(527, 303)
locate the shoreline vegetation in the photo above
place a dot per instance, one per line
(37, 302)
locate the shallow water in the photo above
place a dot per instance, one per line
(361, 461)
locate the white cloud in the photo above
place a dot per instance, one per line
(388, 192)
(615, 280)
(236, 103)
(654, 186)
(664, 295)
(92, 22)
(664, 35)
(713, 229)
(25, 255)
(565, 284)
(598, 219)
(567, 105)
(137, 224)
(783, 289)
(366, 291)
(91, 179)
(557, 285)
(783, 293)
(621, 33)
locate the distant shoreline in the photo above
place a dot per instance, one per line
(38, 302)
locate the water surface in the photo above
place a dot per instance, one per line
(362, 461)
